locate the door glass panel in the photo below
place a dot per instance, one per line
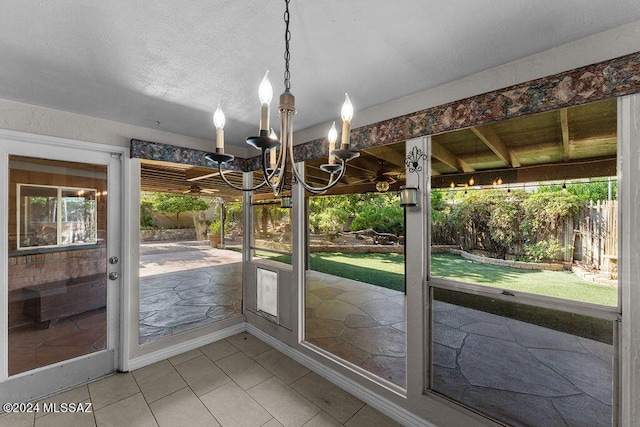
(57, 261)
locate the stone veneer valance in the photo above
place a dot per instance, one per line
(607, 79)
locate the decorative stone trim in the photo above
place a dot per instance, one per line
(607, 79)
(508, 263)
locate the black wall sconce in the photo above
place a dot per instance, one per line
(409, 194)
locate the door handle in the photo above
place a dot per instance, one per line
(113, 275)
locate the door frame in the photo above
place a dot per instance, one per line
(66, 374)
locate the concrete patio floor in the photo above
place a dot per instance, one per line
(185, 285)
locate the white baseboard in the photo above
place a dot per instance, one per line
(183, 347)
(374, 400)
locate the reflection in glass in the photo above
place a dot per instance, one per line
(520, 364)
(54, 216)
(57, 290)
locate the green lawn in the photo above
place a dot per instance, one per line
(561, 284)
(387, 270)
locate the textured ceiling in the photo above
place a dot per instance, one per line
(173, 62)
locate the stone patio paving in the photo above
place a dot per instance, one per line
(517, 372)
(360, 323)
(185, 285)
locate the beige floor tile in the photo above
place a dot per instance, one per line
(329, 397)
(248, 344)
(218, 350)
(158, 380)
(289, 407)
(17, 420)
(272, 423)
(243, 370)
(283, 367)
(233, 407)
(202, 375)
(132, 411)
(175, 360)
(182, 408)
(323, 420)
(112, 389)
(75, 395)
(68, 419)
(369, 417)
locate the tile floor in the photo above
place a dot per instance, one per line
(238, 381)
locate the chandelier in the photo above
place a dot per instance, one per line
(277, 154)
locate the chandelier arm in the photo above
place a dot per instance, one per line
(333, 180)
(232, 185)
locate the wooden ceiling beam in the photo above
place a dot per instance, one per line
(450, 159)
(488, 136)
(532, 174)
(564, 124)
(388, 154)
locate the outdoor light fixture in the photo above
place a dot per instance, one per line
(285, 202)
(408, 196)
(382, 186)
(281, 151)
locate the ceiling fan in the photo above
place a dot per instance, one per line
(384, 177)
(196, 190)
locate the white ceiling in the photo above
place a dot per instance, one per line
(168, 61)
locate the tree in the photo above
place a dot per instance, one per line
(177, 203)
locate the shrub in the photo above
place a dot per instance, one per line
(536, 252)
(214, 227)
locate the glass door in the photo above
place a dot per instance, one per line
(61, 252)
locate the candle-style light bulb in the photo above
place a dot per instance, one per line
(347, 109)
(265, 93)
(333, 137)
(272, 152)
(218, 121)
(347, 114)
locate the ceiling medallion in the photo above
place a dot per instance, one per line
(280, 152)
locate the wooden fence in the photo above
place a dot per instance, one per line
(596, 235)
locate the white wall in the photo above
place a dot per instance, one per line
(47, 121)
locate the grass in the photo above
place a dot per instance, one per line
(560, 284)
(386, 270)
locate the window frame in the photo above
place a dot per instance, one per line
(59, 222)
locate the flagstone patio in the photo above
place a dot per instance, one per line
(185, 285)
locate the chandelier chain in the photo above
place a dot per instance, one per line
(287, 54)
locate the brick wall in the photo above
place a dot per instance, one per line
(36, 269)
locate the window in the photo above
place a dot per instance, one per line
(271, 238)
(523, 267)
(56, 216)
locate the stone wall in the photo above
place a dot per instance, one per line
(168, 234)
